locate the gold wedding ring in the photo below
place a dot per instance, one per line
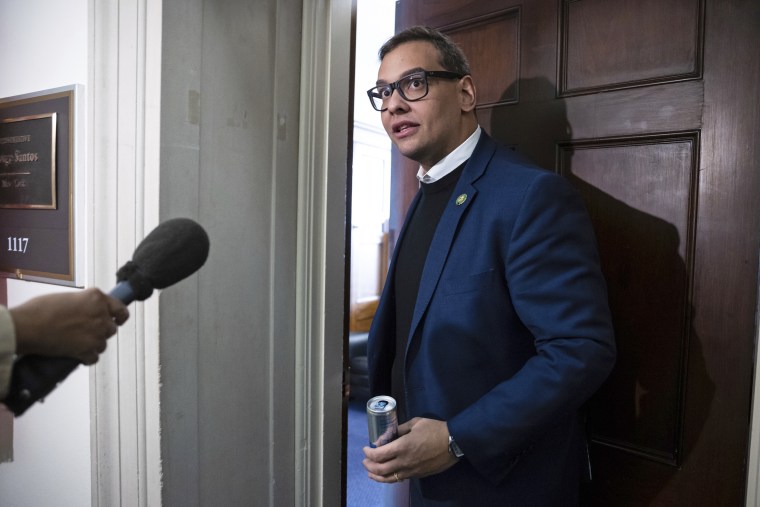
(395, 474)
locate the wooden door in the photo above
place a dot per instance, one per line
(649, 107)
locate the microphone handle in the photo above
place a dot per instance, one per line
(123, 292)
(35, 376)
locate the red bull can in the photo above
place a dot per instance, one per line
(382, 421)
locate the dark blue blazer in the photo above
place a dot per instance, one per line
(511, 334)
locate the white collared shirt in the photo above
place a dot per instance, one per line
(451, 161)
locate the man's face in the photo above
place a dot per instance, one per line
(428, 129)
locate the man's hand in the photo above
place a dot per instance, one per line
(68, 324)
(422, 449)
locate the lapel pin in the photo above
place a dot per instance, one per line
(461, 199)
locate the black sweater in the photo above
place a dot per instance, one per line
(410, 262)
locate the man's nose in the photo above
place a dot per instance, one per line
(396, 102)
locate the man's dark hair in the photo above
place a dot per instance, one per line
(451, 56)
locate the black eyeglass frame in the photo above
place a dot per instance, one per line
(443, 74)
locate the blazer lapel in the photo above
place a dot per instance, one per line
(461, 199)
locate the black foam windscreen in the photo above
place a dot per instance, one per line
(174, 250)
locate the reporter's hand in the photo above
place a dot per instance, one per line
(72, 324)
(422, 449)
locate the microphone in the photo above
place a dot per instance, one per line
(172, 251)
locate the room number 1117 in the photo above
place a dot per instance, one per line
(17, 244)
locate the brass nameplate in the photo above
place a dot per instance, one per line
(27, 162)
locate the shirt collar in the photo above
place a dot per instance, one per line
(451, 161)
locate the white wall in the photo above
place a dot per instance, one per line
(45, 46)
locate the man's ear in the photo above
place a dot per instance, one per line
(467, 94)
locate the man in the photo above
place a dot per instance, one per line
(72, 325)
(493, 327)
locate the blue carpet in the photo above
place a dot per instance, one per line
(361, 491)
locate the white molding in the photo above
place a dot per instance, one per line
(308, 260)
(323, 134)
(151, 166)
(123, 177)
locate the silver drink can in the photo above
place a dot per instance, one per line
(381, 420)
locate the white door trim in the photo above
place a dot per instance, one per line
(323, 167)
(123, 179)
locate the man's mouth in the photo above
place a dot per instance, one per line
(401, 128)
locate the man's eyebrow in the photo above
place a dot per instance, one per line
(403, 75)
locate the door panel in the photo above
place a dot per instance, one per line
(640, 193)
(653, 41)
(649, 108)
(500, 30)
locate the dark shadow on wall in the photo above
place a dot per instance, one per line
(640, 427)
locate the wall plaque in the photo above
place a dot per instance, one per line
(38, 147)
(27, 162)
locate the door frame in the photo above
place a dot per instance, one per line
(322, 301)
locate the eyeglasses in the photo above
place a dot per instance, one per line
(412, 87)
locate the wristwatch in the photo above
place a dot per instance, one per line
(454, 449)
